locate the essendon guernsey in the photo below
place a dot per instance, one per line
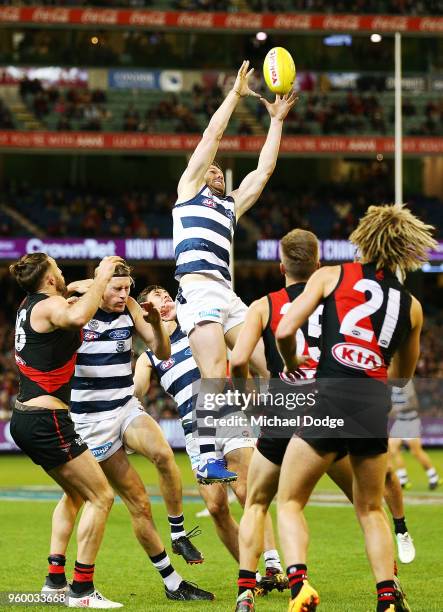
(46, 361)
(365, 319)
(308, 337)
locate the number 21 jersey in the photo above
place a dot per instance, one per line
(365, 319)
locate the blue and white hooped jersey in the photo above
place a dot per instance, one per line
(177, 375)
(103, 377)
(203, 231)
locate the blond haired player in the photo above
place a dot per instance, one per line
(369, 323)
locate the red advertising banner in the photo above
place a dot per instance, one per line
(163, 143)
(250, 22)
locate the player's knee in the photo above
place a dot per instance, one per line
(218, 509)
(105, 499)
(163, 458)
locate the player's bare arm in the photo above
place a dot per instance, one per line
(150, 328)
(317, 288)
(142, 376)
(203, 156)
(253, 184)
(404, 362)
(56, 312)
(250, 333)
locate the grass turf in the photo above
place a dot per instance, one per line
(338, 566)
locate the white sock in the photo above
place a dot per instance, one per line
(402, 474)
(162, 563)
(432, 474)
(272, 559)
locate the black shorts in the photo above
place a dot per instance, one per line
(360, 447)
(273, 449)
(47, 436)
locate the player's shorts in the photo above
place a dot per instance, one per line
(47, 436)
(104, 437)
(359, 447)
(273, 449)
(209, 301)
(223, 446)
(365, 416)
(406, 429)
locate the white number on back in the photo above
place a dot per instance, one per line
(314, 331)
(350, 327)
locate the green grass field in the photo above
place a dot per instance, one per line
(337, 563)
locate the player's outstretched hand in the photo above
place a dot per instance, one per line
(282, 105)
(151, 314)
(107, 266)
(81, 286)
(241, 85)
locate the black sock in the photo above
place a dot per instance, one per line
(83, 578)
(296, 574)
(385, 595)
(56, 571)
(400, 525)
(246, 581)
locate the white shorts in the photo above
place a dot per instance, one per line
(406, 429)
(105, 436)
(210, 300)
(223, 446)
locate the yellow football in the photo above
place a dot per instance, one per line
(279, 70)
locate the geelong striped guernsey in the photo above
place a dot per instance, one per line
(177, 375)
(203, 230)
(103, 378)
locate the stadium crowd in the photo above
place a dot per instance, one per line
(352, 112)
(330, 213)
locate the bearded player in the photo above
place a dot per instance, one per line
(204, 218)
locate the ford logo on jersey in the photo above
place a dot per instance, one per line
(101, 450)
(119, 334)
(355, 356)
(165, 365)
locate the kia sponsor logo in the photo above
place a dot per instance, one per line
(165, 365)
(119, 334)
(356, 356)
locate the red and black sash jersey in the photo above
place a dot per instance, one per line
(365, 319)
(46, 361)
(307, 338)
